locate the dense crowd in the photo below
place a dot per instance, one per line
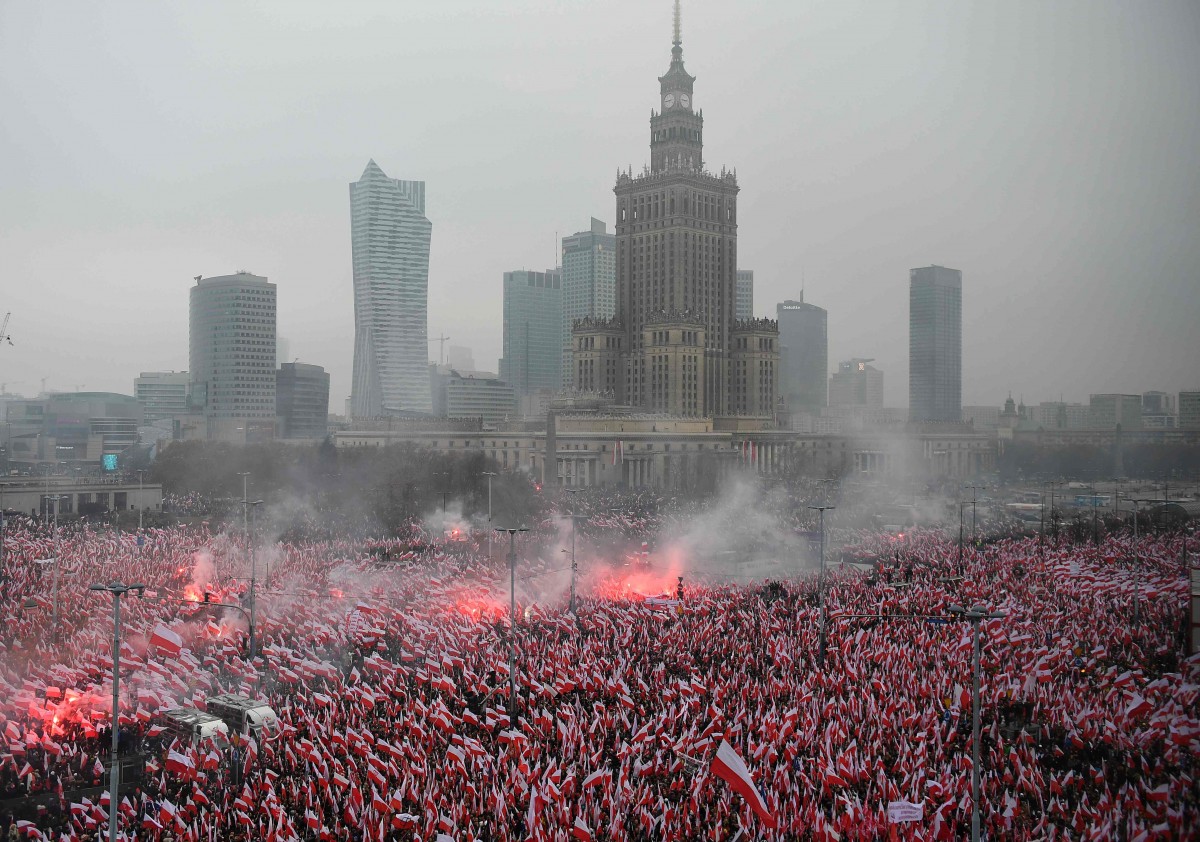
(387, 662)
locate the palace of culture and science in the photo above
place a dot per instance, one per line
(675, 346)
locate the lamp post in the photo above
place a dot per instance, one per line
(489, 475)
(821, 586)
(117, 589)
(974, 489)
(3, 524)
(574, 566)
(512, 632)
(54, 498)
(139, 473)
(253, 588)
(975, 616)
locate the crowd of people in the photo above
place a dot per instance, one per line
(388, 664)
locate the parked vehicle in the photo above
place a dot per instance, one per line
(191, 725)
(242, 714)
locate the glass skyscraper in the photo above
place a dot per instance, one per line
(533, 317)
(804, 356)
(935, 344)
(232, 347)
(589, 283)
(390, 235)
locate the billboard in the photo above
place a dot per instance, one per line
(109, 461)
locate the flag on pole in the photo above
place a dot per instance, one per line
(730, 767)
(581, 831)
(166, 641)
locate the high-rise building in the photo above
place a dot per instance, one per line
(1058, 415)
(302, 400)
(460, 357)
(804, 358)
(533, 320)
(162, 394)
(389, 235)
(856, 383)
(589, 283)
(1107, 411)
(743, 306)
(1189, 410)
(676, 237)
(232, 353)
(935, 344)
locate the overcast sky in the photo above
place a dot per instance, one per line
(1049, 150)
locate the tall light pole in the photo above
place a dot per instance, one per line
(489, 475)
(3, 524)
(574, 566)
(117, 589)
(53, 499)
(821, 586)
(253, 587)
(975, 616)
(139, 473)
(974, 499)
(512, 632)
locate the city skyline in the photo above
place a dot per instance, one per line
(917, 172)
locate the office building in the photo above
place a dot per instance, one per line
(1108, 411)
(232, 355)
(1158, 411)
(589, 283)
(804, 358)
(743, 306)
(162, 394)
(1189, 410)
(676, 239)
(461, 395)
(390, 237)
(74, 427)
(935, 344)
(302, 401)
(533, 324)
(855, 384)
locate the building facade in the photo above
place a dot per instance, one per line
(1189, 410)
(72, 427)
(533, 325)
(935, 344)
(589, 284)
(743, 306)
(676, 240)
(232, 350)
(856, 383)
(302, 401)
(162, 394)
(390, 236)
(1107, 411)
(804, 357)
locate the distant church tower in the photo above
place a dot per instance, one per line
(679, 349)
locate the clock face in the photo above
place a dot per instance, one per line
(669, 101)
(685, 100)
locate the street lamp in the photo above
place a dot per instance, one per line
(974, 498)
(974, 615)
(574, 566)
(821, 586)
(489, 475)
(117, 589)
(512, 632)
(139, 473)
(57, 565)
(253, 585)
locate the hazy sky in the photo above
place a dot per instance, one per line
(1050, 150)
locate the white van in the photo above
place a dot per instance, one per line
(193, 726)
(244, 715)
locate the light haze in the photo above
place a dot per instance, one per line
(1048, 150)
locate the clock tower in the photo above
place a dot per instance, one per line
(676, 132)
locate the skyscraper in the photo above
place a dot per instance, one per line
(302, 400)
(589, 282)
(935, 344)
(744, 299)
(856, 384)
(232, 350)
(533, 317)
(804, 356)
(389, 236)
(676, 237)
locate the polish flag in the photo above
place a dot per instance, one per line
(597, 778)
(166, 812)
(167, 641)
(729, 767)
(580, 830)
(1137, 707)
(180, 764)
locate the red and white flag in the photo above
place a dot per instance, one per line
(179, 764)
(580, 830)
(729, 767)
(166, 641)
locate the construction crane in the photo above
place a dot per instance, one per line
(442, 351)
(4, 337)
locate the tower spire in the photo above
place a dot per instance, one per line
(678, 39)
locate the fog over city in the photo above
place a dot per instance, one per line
(1047, 150)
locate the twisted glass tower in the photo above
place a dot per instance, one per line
(389, 235)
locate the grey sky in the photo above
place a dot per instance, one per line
(1049, 150)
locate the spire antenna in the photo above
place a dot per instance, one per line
(678, 20)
